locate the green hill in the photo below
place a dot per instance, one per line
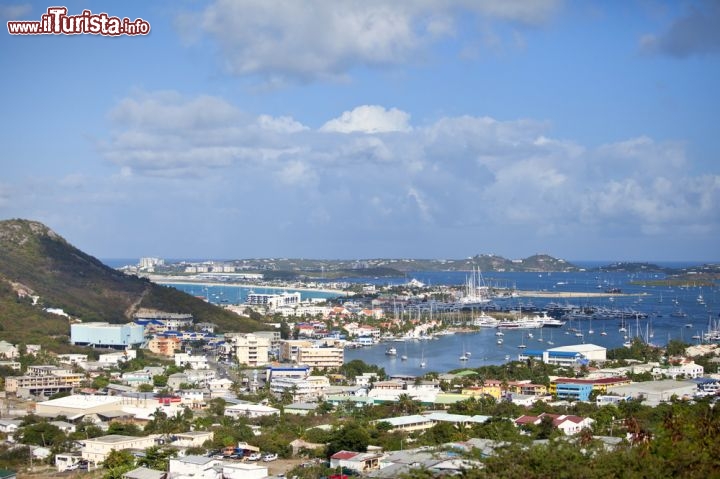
(39, 269)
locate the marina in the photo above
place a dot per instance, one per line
(549, 310)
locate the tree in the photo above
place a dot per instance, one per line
(545, 428)
(216, 407)
(157, 458)
(350, 437)
(675, 347)
(121, 459)
(285, 330)
(100, 382)
(41, 434)
(124, 429)
(160, 381)
(407, 405)
(442, 433)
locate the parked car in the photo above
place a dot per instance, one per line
(270, 457)
(255, 456)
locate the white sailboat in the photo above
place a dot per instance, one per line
(422, 359)
(522, 343)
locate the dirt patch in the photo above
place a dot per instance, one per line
(282, 466)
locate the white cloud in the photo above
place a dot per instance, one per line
(296, 172)
(288, 40)
(455, 173)
(369, 119)
(281, 124)
(170, 111)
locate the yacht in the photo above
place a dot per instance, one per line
(391, 352)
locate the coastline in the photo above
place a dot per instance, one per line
(182, 280)
(162, 279)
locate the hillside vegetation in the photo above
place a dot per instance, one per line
(39, 269)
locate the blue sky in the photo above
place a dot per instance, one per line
(358, 129)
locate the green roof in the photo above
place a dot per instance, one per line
(7, 473)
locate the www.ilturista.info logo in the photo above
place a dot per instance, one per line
(57, 22)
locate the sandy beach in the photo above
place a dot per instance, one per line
(162, 279)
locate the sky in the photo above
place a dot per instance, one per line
(369, 129)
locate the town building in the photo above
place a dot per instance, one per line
(570, 356)
(240, 470)
(162, 321)
(144, 473)
(655, 392)
(273, 301)
(250, 410)
(114, 359)
(8, 351)
(318, 358)
(165, 345)
(290, 349)
(568, 424)
(192, 438)
(14, 365)
(579, 389)
(43, 381)
(360, 462)
(191, 361)
(250, 349)
(297, 372)
(686, 370)
(306, 389)
(96, 450)
(106, 335)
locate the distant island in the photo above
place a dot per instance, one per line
(299, 269)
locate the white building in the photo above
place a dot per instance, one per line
(274, 301)
(96, 450)
(194, 362)
(72, 359)
(688, 370)
(195, 467)
(239, 470)
(192, 438)
(250, 410)
(8, 351)
(573, 355)
(312, 387)
(148, 264)
(114, 359)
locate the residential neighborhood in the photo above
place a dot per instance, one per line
(164, 397)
